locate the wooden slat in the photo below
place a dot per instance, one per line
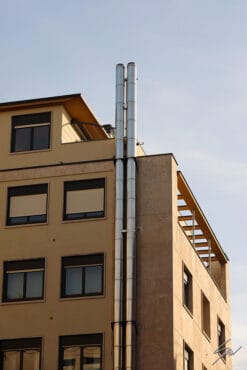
(184, 207)
(185, 218)
(196, 237)
(191, 227)
(205, 251)
(206, 259)
(202, 244)
(180, 196)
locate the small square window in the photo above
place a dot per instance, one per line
(23, 280)
(84, 199)
(31, 132)
(82, 352)
(27, 204)
(20, 354)
(82, 275)
(206, 316)
(187, 289)
(188, 358)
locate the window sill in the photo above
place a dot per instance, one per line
(26, 225)
(188, 310)
(84, 220)
(82, 297)
(31, 151)
(22, 302)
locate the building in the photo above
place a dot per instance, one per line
(107, 260)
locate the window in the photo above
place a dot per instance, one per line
(82, 275)
(188, 358)
(221, 338)
(20, 354)
(80, 352)
(206, 316)
(84, 199)
(31, 132)
(23, 280)
(187, 289)
(27, 204)
(204, 367)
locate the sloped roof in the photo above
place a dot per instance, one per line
(75, 105)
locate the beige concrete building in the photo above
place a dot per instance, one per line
(59, 260)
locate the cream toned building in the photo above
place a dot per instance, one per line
(58, 252)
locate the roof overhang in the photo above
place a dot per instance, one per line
(74, 104)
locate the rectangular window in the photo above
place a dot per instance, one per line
(206, 316)
(187, 289)
(80, 352)
(31, 132)
(23, 280)
(21, 354)
(84, 199)
(188, 358)
(221, 339)
(27, 204)
(82, 275)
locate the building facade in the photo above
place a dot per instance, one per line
(58, 252)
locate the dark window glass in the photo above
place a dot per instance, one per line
(221, 339)
(82, 275)
(41, 135)
(15, 285)
(22, 139)
(23, 280)
(82, 352)
(27, 204)
(205, 315)
(187, 289)
(31, 132)
(188, 358)
(73, 277)
(34, 284)
(93, 279)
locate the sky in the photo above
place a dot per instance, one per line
(192, 92)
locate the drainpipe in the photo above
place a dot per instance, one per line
(118, 282)
(131, 217)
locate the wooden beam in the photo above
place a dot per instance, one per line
(212, 259)
(202, 251)
(198, 236)
(184, 207)
(191, 227)
(180, 196)
(185, 218)
(202, 244)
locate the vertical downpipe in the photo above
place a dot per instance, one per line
(131, 217)
(118, 281)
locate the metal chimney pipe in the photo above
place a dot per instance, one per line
(131, 216)
(118, 281)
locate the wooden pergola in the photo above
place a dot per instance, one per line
(196, 227)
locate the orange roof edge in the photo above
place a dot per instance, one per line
(75, 105)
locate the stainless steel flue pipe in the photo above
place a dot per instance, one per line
(118, 282)
(131, 217)
(125, 100)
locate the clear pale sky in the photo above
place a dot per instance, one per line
(192, 92)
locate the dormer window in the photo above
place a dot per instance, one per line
(31, 132)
